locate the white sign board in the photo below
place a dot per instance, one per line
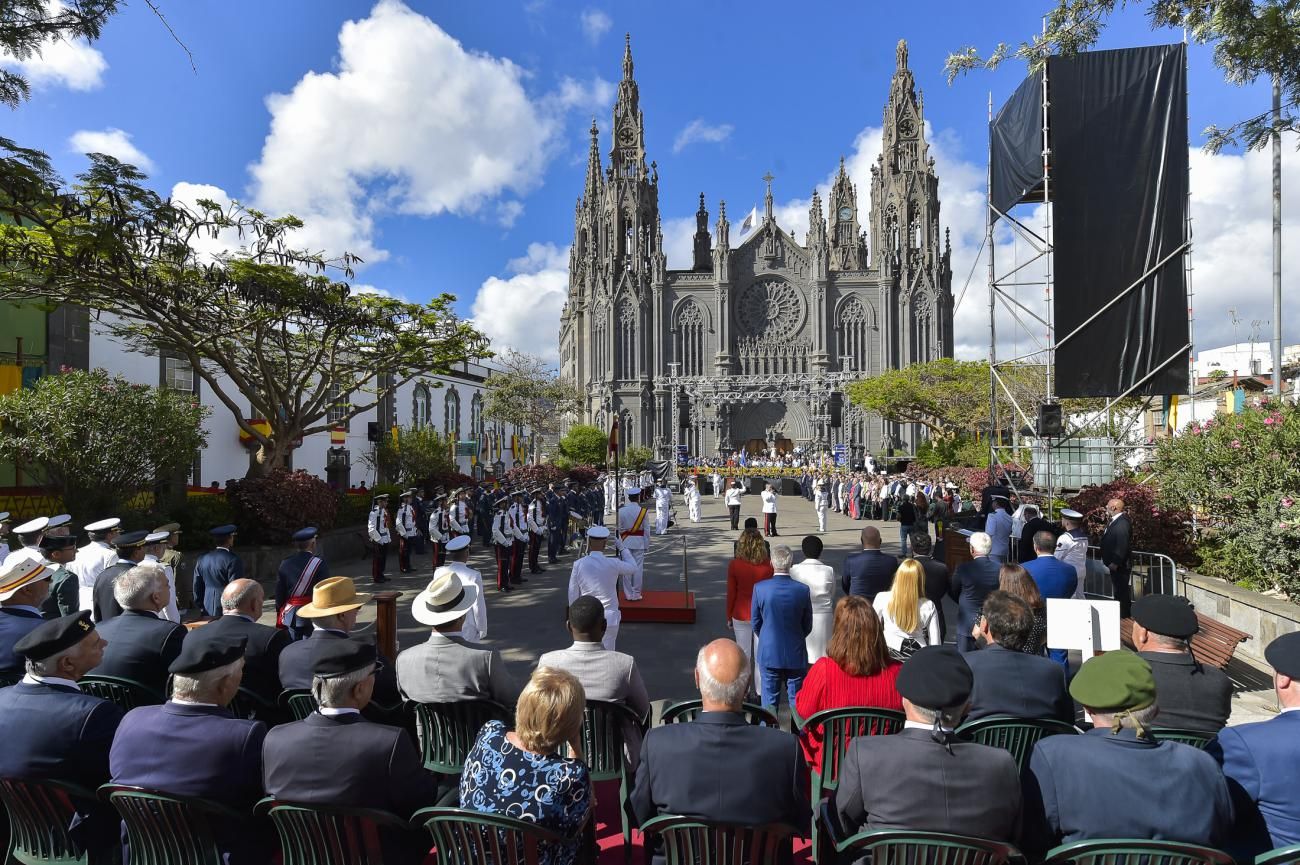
(1085, 625)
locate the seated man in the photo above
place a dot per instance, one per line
(141, 644)
(55, 732)
(241, 605)
(924, 778)
(335, 757)
(718, 767)
(1008, 681)
(604, 674)
(23, 588)
(1192, 696)
(1261, 762)
(226, 768)
(1116, 781)
(448, 668)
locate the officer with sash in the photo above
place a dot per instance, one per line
(503, 541)
(633, 533)
(536, 529)
(377, 530)
(439, 529)
(298, 574)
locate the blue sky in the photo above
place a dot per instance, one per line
(446, 142)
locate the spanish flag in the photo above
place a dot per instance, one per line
(613, 437)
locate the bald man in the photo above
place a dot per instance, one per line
(241, 606)
(869, 572)
(681, 764)
(1116, 545)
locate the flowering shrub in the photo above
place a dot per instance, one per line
(535, 476)
(269, 509)
(970, 481)
(1239, 474)
(1156, 529)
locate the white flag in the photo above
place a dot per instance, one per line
(751, 219)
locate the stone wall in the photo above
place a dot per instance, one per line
(1263, 617)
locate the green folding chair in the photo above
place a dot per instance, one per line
(446, 731)
(1280, 856)
(1195, 738)
(40, 816)
(906, 847)
(687, 841)
(464, 837)
(166, 830)
(250, 705)
(126, 693)
(688, 710)
(839, 727)
(297, 703)
(602, 751)
(1017, 735)
(1135, 851)
(322, 835)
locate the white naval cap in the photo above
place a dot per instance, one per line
(459, 542)
(598, 532)
(31, 527)
(1071, 514)
(4, 516)
(103, 525)
(60, 520)
(156, 537)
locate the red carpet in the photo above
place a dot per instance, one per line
(670, 607)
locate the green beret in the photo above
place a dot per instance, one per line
(1113, 682)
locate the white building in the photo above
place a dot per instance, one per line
(452, 403)
(1243, 359)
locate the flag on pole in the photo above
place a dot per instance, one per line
(743, 459)
(613, 437)
(751, 220)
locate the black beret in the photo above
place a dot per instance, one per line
(1283, 654)
(52, 637)
(206, 649)
(127, 540)
(1167, 615)
(57, 542)
(340, 657)
(936, 677)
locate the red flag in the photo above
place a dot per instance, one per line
(613, 437)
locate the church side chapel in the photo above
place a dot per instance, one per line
(750, 347)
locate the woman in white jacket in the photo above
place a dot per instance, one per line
(820, 580)
(910, 619)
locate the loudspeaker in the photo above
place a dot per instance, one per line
(837, 410)
(683, 414)
(372, 431)
(1050, 424)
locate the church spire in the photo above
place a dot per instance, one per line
(629, 125)
(593, 167)
(703, 241)
(627, 56)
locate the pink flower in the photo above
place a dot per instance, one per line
(1287, 502)
(1268, 421)
(1236, 443)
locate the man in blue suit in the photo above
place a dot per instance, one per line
(1007, 680)
(141, 644)
(1054, 578)
(215, 569)
(869, 572)
(971, 585)
(23, 588)
(1262, 762)
(55, 732)
(781, 613)
(998, 526)
(227, 768)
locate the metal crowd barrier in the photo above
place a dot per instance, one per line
(1152, 574)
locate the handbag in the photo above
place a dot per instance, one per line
(905, 650)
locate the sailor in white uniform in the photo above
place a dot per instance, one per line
(663, 507)
(597, 575)
(29, 535)
(634, 534)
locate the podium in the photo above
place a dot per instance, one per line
(675, 608)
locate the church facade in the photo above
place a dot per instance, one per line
(751, 347)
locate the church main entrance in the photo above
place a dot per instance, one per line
(761, 447)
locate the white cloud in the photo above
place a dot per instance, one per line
(699, 131)
(595, 24)
(69, 63)
(207, 246)
(409, 122)
(523, 311)
(113, 142)
(508, 212)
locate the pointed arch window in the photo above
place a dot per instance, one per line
(421, 406)
(451, 414)
(690, 338)
(627, 365)
(853, 333)
(476, 418)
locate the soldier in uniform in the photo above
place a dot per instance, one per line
(485, 513)
(155, 544)
(172, 558)
(29, 537)
(130, 552)
(59, 526)
(1072, 546)
(97, 554)
(663, 507)
(64, 598)
(460, 515)
(634, 534)
(576, 507)
(406, 532)
(596, 504)
(4, 534)
(503, 540)
(421, 509)
(439, 530)
(598, 575)
(215, 569)
(519, 521)
(536, 529)
(557, 523)
(298, 574)
(377, 530)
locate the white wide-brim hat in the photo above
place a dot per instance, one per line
(445, 599)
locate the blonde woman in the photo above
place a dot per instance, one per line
(520, 773)
(911, 620)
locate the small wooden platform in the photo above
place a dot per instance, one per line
(676, 608)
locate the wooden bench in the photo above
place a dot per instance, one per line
(1214, 644)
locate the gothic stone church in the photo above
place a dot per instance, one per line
(750, 348)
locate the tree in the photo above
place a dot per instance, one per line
(412, 455)
(1252, 39)
(948, 397)
(635, 457)
(527, 393)
(27, 25)
(100, 440)
(264, 325)
(584, 445)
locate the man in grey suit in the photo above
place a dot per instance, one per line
(604, 674)
(1008, 681)
(924, 778)
(448, 668)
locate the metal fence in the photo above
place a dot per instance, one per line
(1152, 574)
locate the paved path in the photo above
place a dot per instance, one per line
(524, 624)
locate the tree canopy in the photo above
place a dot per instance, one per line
(100, 440)
(584, 444)
(948, 397)
(1251, 39)
(527, 393)
(267, 327)
(411, 455)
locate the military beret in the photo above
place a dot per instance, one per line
(54, 636)
(206, 649)
(305, 534)
(1283, 654)
(340, 657)
(459, 542)
(222, 531)
(936, 677)
(1167, 615)
(58, 542)
(1114, 681)
(127, 540)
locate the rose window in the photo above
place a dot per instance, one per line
(771, 308)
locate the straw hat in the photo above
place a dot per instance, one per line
(333, 596)
(445, 600)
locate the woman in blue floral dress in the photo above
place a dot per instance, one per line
(518, 773)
